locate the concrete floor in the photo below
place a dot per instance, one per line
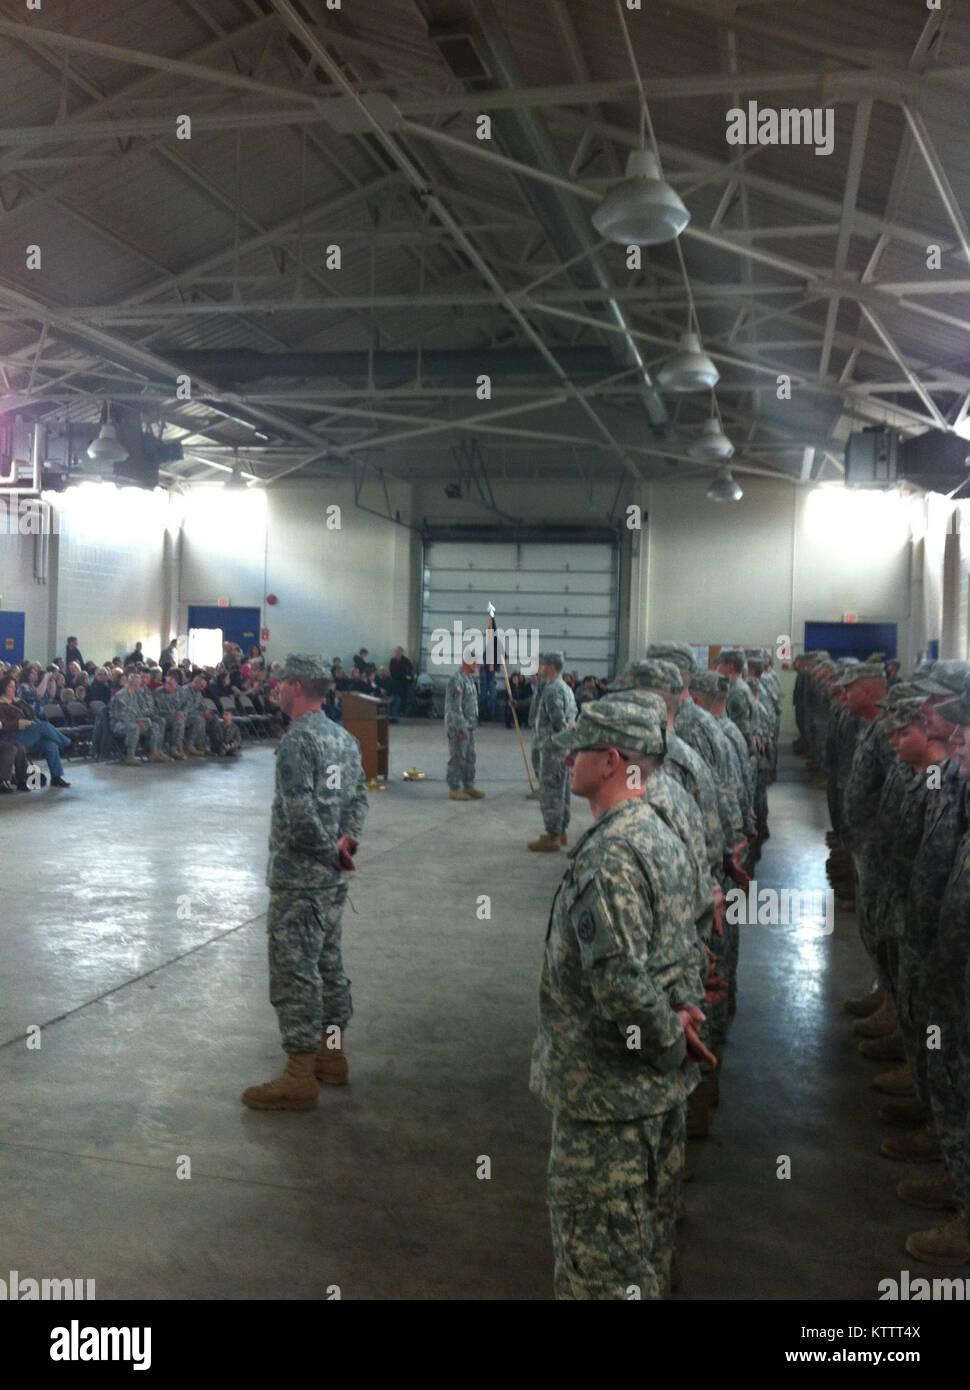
(133, 932)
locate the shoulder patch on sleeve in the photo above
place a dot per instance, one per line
(591, 919)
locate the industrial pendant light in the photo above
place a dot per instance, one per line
(712, 443)
(107, 448)
(690, 368)
(236, 480)
(724, 488)
(643, 210)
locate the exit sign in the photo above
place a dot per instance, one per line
(850, 617)
(265, 634)
(223, 602)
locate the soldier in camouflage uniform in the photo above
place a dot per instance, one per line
(556, 712)
(318, 815)
(461, 721)
(169, 706)
(197, 717)
(129, 720)
(534, 751)
(225, 738)
(618, 1010)
(943, 980)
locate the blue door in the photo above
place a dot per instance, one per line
(11, 637)
(240, 625)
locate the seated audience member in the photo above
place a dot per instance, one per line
(358, 683)
(18, 724)
(73, 672)
(384, 684)
(169, 705)
(100, 687)
(521, 699)
(131, 715)
(197, 717)
(224, 737)
(13, 767)
(602, 686)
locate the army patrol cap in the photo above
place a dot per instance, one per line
(657, 674)
(552, 659)
(899, 693)
(616, 722)
(757, 654)
(708, 682)
(677, 652)
(304, 668)
(903, 713)
(733, 656)
(941, 677)
(862, 671)
(956, 711)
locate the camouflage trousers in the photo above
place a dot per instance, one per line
(307, 985)
(131, 731)
(224, 738)
(553, 791)
(173, 731)
(946, 1065)
(461, 760)
(195, 727)
(614, 1194)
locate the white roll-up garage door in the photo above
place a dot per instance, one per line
(566, 594)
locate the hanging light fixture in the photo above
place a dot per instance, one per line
(724, 488)
(643, 210)
(106, 448)
(690, 368)
(236, 479)
(711, 443)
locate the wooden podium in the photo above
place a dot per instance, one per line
(368, 719)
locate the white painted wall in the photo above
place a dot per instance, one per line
(109, 576)
(22, 594)
(336, 588)
(750, 572)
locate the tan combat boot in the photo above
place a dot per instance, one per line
(473, 793)
(919, 1146)
(296, 1089)
(177, 754)
(879, 1024)
(532, 796)
(898, 1082)
(194, 751)
(943, 1245)
(132, 761)
(330, 1065)
(866, 1005)
(458, 796)
(888, 1048)
(936, 1193)
(159, 758)
(908, 1114)
(563, 838)
(547, 844)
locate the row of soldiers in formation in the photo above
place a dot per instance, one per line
(173, 721)
(643, 900)
(895, 759)
(675, 763)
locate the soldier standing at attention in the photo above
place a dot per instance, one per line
(461, 720)
(318, 814)
(618, 1012)
(556, 712)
